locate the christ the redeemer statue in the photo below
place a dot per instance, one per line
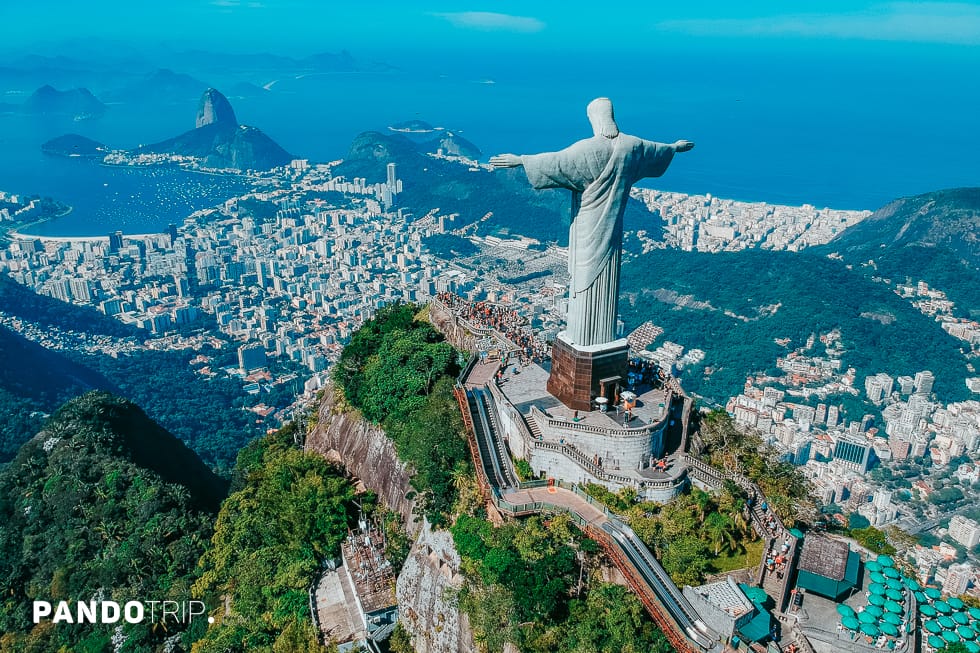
(600, 172)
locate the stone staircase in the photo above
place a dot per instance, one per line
(532, 425)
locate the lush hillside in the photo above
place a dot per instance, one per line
(35, 380)
(535, 583)
(947, 218)
(399, 372)
(102, 502)
(207, 414)
(934, 237)
(758, 296)
(289, 512)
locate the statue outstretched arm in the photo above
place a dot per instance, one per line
(506, 161)
(682, 146)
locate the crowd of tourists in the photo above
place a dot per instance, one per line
(505, 320)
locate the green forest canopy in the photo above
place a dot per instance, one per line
(399, 372)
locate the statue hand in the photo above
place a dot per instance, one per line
(505, 161)
(683, 146)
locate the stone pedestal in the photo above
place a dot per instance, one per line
(579, 374)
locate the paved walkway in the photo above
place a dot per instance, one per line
(482, 374)
(338, 611)
(559, 497)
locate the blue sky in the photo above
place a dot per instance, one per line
(304, 26)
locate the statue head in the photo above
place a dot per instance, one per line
(600, 112)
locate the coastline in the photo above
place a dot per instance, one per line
(177, 166)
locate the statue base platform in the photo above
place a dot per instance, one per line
(580, 374)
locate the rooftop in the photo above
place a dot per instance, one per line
(825, 557)
(726, 595)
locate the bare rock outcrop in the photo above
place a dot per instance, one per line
(366, 452)
(425, 592)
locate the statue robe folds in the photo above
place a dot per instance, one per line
(600, 172)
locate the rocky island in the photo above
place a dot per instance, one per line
(218, 141)
(75, 145)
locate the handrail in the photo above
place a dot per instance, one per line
(465, 372)
(477, 330)
(600, 430)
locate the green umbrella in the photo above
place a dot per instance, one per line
(876, 599)
(893, 606)
(894, 595)
(914, 586)
(936, 641)
(872, 630)
(942, 607)
(891, 572)
(927, 610)
(795, 532)
(886, 561)
(867, 618)
(874, 610)
(845, 610)
(955, 603)
(975, 613)
(876, 577)
(933, 593)
(921, 598)
(871, 565)
(894, 584)
(950, 636)
(890, 629)
(892, 618)
(961, 618)
(933, 627)
(966, 633)
(851, 623)
(877, 588)
(946, 622)
(973, 647)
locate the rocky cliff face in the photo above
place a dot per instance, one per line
(214, 108)
(424, 591)
(366, 452)
(432, 619)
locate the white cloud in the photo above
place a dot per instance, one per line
(941, 22)
(228, 4)
(490, 21)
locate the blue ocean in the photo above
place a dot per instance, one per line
(808, 130)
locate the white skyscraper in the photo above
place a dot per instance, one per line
(965, 531)
(957, 579)
(923, 382)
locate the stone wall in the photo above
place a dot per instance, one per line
(617, 452)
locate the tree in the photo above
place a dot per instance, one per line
(290, 513)
(720, 531)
